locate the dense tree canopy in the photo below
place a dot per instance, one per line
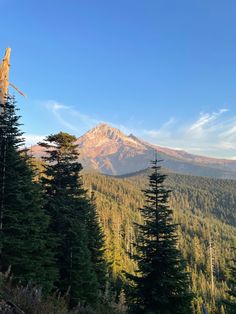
(118, 200)
(73, 221)
(57, 236)
(24, 223)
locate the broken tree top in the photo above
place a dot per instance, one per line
(4, 76)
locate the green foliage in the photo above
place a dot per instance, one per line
(196, 212)
(230, 303)
(96, 244)
(71, 220)
(24, 241)
(161, 283)
(58, 236)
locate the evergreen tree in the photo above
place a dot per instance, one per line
(97, 245)
(198, 203)
(68, 206)
(24, 239)
(231, 302)
(161, 284)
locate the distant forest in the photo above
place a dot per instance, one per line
(205, 209)
(80, 242)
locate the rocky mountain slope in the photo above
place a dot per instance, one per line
(108, 150)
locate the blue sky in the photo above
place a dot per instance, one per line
(163, 70)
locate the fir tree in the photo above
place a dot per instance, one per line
(24, 238)
(67, 204)
(161, 284)
(97, 245)
(231, 302)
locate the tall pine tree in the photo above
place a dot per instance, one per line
(161, 284)
(71, 220)
(24, 224)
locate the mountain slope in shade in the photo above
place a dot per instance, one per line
(108, 150)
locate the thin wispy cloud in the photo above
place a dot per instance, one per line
(205, 123)
(163, 132)
(75, 121)
(210, 134)
(70, 120)
(69, 117)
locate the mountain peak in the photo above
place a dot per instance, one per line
(104, 141)
(102, 125)
(107, 149)
(106, 130)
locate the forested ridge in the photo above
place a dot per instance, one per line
(203, 207)
(73, 241)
